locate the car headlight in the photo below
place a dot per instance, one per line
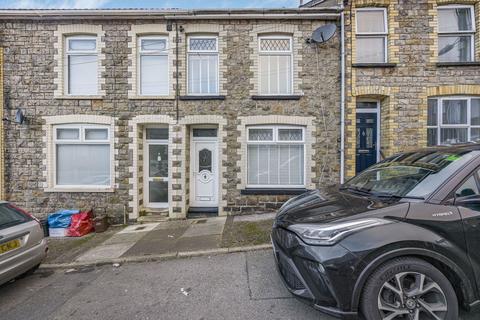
(330, 233)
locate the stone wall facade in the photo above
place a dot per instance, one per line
(33, 82)
(411, 75)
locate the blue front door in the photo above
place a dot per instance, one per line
(366, 154)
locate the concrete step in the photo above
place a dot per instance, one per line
(154, 216)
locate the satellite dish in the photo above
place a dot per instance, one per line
(323, 33)
(19, 116)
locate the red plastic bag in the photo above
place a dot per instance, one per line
(82, 224)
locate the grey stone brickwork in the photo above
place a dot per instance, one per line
(29, 83)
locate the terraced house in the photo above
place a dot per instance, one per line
(169, 111)
(412, 75)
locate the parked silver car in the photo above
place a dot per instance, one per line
(22, 243)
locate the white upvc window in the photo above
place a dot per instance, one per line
(81, 65)
(371, 35)
(153, 70)
(275, 157)
(82, 156)
(203, 72)
(453, 120)
(456, 31)
(275, 65)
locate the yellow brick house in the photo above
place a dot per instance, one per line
(412, 76)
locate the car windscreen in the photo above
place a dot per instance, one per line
(415, 175)
(11, 216)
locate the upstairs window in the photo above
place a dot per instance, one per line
(82, 154)
(456, 30)
(371, 35)
(203, 65)
(153, 75)
(453, 120)
(275, 157)
(81, 65)
(275, 65)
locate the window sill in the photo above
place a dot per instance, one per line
(188, 98)
(374, 65)
(151, 97)
(272, 192)
(79, 190)
(277, 97)
(79, 97)
(458, 64)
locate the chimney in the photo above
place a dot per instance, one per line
(301, 3)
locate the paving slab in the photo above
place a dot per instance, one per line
(139, 228)
(158, 241)
(103, 252)
(206, 227)
(173, 224)
(124, 237)
(198, 243)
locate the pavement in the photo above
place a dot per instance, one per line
(232, 286)
(159, 241)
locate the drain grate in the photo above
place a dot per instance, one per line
(140, 228)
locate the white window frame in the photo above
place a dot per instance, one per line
(276, 141)
(203, 52)
(374, 34)
(460, 33)
(275, 53)
(80, 141)
(141, 52)
(69, 53)
(440, 124)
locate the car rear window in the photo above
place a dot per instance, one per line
(11, 216)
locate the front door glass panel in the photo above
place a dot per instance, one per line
(157, 166)
(158, 160)
(205, 160)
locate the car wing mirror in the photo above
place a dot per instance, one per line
(473, 200)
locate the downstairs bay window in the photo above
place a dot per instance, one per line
(275, 157)
(82, 156)
(453, 120)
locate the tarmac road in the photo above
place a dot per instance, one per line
(231, 286)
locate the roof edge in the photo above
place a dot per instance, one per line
(273, 13)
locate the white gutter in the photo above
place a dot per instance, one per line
(342, 98)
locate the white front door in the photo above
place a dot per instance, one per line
(204, 169)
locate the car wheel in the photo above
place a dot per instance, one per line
(409, 289)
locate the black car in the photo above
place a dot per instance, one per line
(400, 240)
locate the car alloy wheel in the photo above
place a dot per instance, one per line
(408, 288)
(412, 295)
